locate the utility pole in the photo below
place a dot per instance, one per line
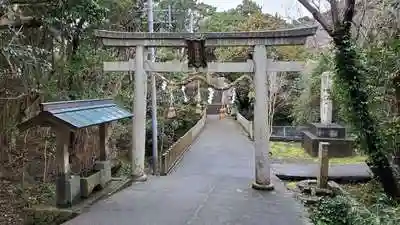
(191, 21)
(154, 125)
(191, 30)
(169, 18)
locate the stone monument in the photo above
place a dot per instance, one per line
(326, 131)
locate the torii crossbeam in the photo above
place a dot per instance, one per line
(260, 65)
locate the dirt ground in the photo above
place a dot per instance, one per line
(10, 204)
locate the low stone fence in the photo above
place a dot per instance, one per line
(287, 133)
(279, 133)
(246, 124)
(174, 154)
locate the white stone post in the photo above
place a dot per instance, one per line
(210, 95)
(139, 117)
(326, 102)
(261, 143)
(233, 95)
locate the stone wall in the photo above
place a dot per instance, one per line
(173, 155)
(246, 124)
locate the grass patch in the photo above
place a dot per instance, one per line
(125, 170)
(49, 217)
(291, 185)
(37, 194)
(40, 195)
(348, 160)
(293, 152)
(367, 193)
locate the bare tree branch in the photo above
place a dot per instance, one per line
(317, 15)
(14, 98)
(317, 4)
(9, 63)
(278, 95)
(29, 2)
(29, 22)
(349, 13)
(334, 12)
(359, 26)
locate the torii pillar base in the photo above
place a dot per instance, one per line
(263, 187)
(142, 178)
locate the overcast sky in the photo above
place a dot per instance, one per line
(286, 8)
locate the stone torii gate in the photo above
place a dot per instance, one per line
(196, 42)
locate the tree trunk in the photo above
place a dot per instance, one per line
(349, 74)
(396, 154)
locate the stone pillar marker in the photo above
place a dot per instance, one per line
(139, 117)
(323, 169)
(210, 95)
(326, 102)
(261, 142)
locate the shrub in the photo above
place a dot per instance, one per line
(331, 212)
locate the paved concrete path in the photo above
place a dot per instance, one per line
(211, 186)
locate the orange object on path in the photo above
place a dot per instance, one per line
(222, 113)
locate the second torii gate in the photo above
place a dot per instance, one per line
(196, 43)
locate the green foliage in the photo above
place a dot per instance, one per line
(344, 210)
(382, 65)
(353, 94)
(180, 15)
(306, 102)
(367, 193)
(228, 20)
(71, 18)
(390, 133)
(69, 11)
(248, 7)
(39, 194)
(84, 78)
(125, 170)
(221, 22)
(172, 129)
(47, 217)
(331, 212)
(244, 101)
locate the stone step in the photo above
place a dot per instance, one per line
(213, 109)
